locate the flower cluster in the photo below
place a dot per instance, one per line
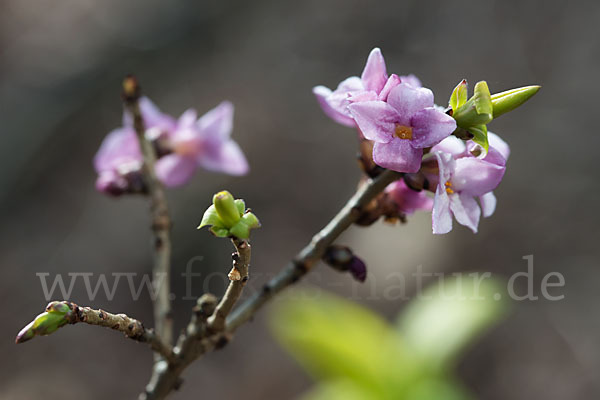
(394, 112)
(182, 145)
(446, 151)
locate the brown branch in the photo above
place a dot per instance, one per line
(202, 339)
(130, 327)
(161, 221)
(238, 278)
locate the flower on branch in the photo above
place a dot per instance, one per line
(373, 84)
(182, 145)
(460, 180)
(402, 126)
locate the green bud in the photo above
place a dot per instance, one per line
(220, 232)
(459, 95)
(477, 110)
(226, 208)
(251, 220)
(56, 315)
(228, 217)
(241, 206)
(507, 101)
(240, 230)
(210, 218)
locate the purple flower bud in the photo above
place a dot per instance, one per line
(343, 259)
(358, 269)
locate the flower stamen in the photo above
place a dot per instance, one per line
(448, 186)
(403, 132)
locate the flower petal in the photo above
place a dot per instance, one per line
(488, 204)
(374, 74)
(218, 121)
(323, 95)
(407, 100)
(441, 217)
(391, 83)
(175, 170)
(430, 127)
(465, 210)
(188, 119)
(500, 145)
(406, 199)
(152, 116)
(446, 166)
(412, 80)
(451, 145)
(119, 146)
(397, 155)
(476, 177)
(376, 119)
(224, 157)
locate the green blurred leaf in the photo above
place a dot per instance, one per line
(337, 339)
(448, 316)
(437, 389)
(341, 389)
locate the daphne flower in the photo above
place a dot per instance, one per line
(182, 146)
(373, 84)
(204, 142)
(402, 127)
(497, 154)
(460, 181)
(406, 199)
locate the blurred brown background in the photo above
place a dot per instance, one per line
(61, 63)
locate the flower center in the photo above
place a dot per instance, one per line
(448, 185)
(403, 132)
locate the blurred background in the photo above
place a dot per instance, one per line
(61, 64)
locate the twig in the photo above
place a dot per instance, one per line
(238, 278)
(131, 327)
(203, 340)
(161, 221)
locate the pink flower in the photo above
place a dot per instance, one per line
(497, 154)
(406, 199)
(402, 126)
(373, 84)
(460, 181)
(182, 145)
(205, 142)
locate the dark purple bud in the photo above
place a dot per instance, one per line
(341, 258)
(358, 269)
